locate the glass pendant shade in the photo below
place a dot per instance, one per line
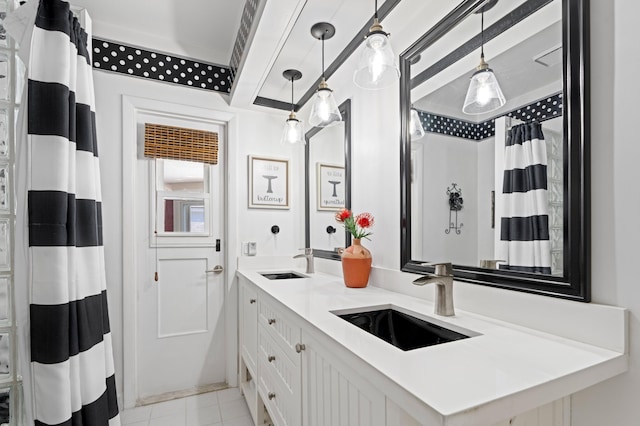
(415, 126)
(293, 131)
(484, 94)
(377, 67)
(293, 128)
(324, 110)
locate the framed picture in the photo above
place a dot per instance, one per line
(331, 191)
(268, 183)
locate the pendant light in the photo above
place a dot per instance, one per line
(324, 110)
(377, 66)
(293, 128)
(484, 94)
(416, 131)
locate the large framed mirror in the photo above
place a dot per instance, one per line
(502, 190)
(328, 185)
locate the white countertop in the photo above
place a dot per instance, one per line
(504, 365)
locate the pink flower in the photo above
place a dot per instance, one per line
(356, 226)
(342, 215)
(364, 220)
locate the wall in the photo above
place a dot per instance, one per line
(614, 173)
(614, 176)
(447, 160)
(258, 133)
(325, 147)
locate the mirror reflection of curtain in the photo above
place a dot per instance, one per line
(524, 225)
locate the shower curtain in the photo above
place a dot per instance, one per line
(61, 299)
(524, 225)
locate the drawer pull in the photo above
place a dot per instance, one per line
(300, 347)
(271, 358)
(271, 321)
(252, 301)
(271, 395)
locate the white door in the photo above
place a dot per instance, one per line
(180, 337)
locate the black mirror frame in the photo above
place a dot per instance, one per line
(345, 110)
(575, 283)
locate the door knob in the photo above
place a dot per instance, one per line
(300, 347)
(217, 269)
(271, 395)
(271, 358)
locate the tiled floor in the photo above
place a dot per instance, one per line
(222, 408)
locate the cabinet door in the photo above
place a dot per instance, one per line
(279, 381)
(334, 393)
(248, 325)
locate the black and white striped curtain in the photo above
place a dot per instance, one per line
(524, 225)
(70, 378)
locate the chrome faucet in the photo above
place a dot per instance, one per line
(443, 278)
(308, 254)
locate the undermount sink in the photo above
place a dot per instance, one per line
(400, 329)
(282, 275)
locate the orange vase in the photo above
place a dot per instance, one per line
(356, 265)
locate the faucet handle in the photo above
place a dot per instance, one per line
(442, 269)
(490, 263)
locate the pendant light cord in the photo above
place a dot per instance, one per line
(323, 56)
(482, 35)
(375, 12)
(292, 94)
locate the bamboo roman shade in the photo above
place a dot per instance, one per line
(179, 143)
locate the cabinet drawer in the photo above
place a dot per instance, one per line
(283, 406)
(282, 327)
(281, 367)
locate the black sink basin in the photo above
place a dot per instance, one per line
(282, 275)
(402, 330)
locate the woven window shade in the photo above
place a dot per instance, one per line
(179, 143)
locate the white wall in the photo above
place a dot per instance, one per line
(258, 134)
(614, 200)
(447, 160)
(614, 177)
(325, 147)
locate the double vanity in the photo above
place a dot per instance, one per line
(313, 352)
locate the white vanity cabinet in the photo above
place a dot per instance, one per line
(299, 381)
(300, 366)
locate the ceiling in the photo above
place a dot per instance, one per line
(198, 29)
(516, 70)
(510, 54)
(207, 29)
(303, 52)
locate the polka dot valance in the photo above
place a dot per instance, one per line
(138, 62)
